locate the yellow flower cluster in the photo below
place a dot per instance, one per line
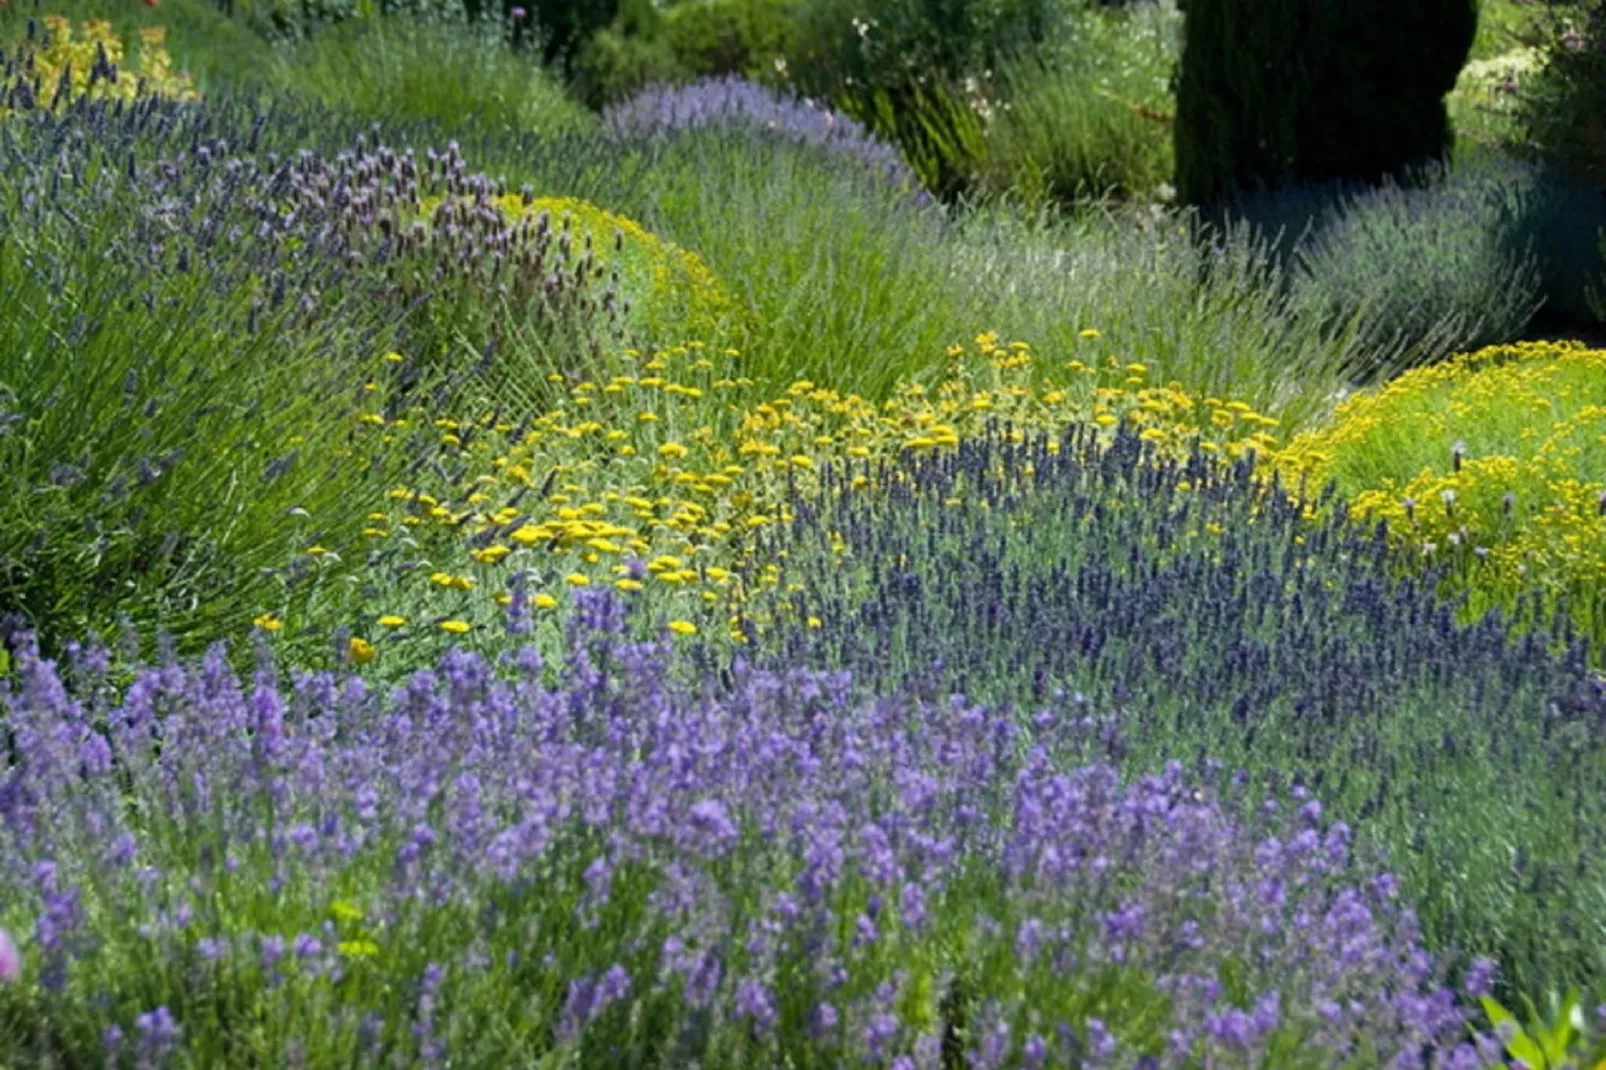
(658, 478)
(672, 284)
(61, 50)
(1496, 458)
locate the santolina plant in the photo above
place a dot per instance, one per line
(1211, 613)
(1489, 464)
(494, 865)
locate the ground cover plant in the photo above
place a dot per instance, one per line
(739, 578)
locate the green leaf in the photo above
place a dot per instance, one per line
(1521, 1045)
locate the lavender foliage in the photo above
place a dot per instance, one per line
(1211, 617)
(733, 102)
(206, 278)
(489, 865)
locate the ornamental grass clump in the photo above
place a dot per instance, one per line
(1211, 612)
(1491, 465)
(734, 102)
(591, 862)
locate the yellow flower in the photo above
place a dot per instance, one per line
(628, 584)
(683, 627)
(672, 451)
(578, 579)
(268, 622)
(360, 650)
(390, 620)
(456, 627)
(393, 358)
(1090, 333)
(357, 949)
(345, 910)
(544, 601)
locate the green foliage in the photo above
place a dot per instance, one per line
(647, 44)
(887, 63)
(1313, 90)
(410, 68)
(1088, 116)
(167, 444)
(1421, 273)
(1561, 1042)
(1564, 107)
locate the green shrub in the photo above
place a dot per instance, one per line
(893, 63)
(1088, 115)
(1314, 90)
(1564, 107)
(178, 388)
(406, 68)
(647, 44)
(1421, 273)
(1487, 466)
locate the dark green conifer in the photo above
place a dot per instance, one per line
(1273, 91)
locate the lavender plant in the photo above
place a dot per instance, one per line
(592, 861)
(1200, 607)
(194, 329)
(733, 101)
(172, 418)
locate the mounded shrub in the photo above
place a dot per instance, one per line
(1491, 465)
(1202, 611)
(1420, 273)
(664, 288)
(1564, 104)
(733, 101)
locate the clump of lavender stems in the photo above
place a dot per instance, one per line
(734, 102)
(593, 856)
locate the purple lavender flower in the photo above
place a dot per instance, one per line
(731, 101)
(617, 788)
(10, 959)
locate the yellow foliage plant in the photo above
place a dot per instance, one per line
(1492, 464)
(77, 62)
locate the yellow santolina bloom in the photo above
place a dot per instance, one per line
(360, 650)
(268, 622)
(560, 495)
(456, 627)
(683, 627)
(1493, 461)
(390, 620)
(357, 949)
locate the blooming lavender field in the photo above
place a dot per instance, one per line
(489, 584)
